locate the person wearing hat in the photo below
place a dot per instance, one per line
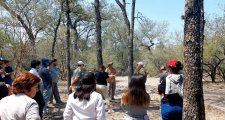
(140, 70)
(172, 101)
(111, 80)
(77, 74)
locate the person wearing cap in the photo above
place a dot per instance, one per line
(172, 101)
(111, 80)
(77, 74)
(140, 70)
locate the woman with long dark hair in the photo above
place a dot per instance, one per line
(172, 101)
(85, 103)
(136, 100)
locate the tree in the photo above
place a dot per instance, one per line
(98, 30)
(30, 17)
(130, 34)
(68, 42)
(193, 61)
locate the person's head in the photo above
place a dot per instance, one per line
(136, 94)
(88, 85)
(140, 65)
(35, 64)
(6, 62)
(102, 68)
(45, 62)
(54, 62)
(26, 83)
(163, 69)
(110, 64)
(174, 66)
(80, 64)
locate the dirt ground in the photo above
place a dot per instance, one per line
(214, 95)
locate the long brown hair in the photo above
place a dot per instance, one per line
(136, 93)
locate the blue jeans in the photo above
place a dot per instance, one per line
(171, 111)
(46, 95)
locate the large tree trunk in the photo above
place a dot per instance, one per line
(193, 39)
(98, 31)
(75, 46)
(68, 43)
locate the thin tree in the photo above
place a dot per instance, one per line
(68, 43)
(193, 61)
(130, 34)
(98, 31)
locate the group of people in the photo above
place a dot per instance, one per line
(34, 89)
(91, 93)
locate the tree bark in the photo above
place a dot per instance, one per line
(98, 31)
(56, 30)
(193, 39)
(130, 34)
(68, 43)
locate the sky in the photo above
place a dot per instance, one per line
(171, 10)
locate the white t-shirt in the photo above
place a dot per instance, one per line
(19, 107)
(85, 110)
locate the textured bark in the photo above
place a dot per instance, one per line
(130, 34)
(98, 31)
(68, 42)
(56, 30)
(193, 42)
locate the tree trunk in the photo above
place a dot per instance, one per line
(193, 39)
(75, 41)
(56, 30)
(98, 31)
(68, 43)
(130, 51)
(130, 34)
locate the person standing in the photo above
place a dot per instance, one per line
(136, 100)
(47, 82)
(77, 75)
(140, 70)
(162, 81)
(55, 76)
(8, 72)
(20, 105)
(111, 80)
(172, 101)
(101, 85)
(85, 103)
(4, 88)
(35, 66)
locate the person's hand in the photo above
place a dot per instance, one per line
(70, 88)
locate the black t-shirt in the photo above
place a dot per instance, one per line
(101, 78)
(8, 69)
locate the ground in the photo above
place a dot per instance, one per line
(214, 95)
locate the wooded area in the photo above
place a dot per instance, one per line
(100, 32)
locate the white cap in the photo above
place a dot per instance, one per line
(80, 63)
(140, 63)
